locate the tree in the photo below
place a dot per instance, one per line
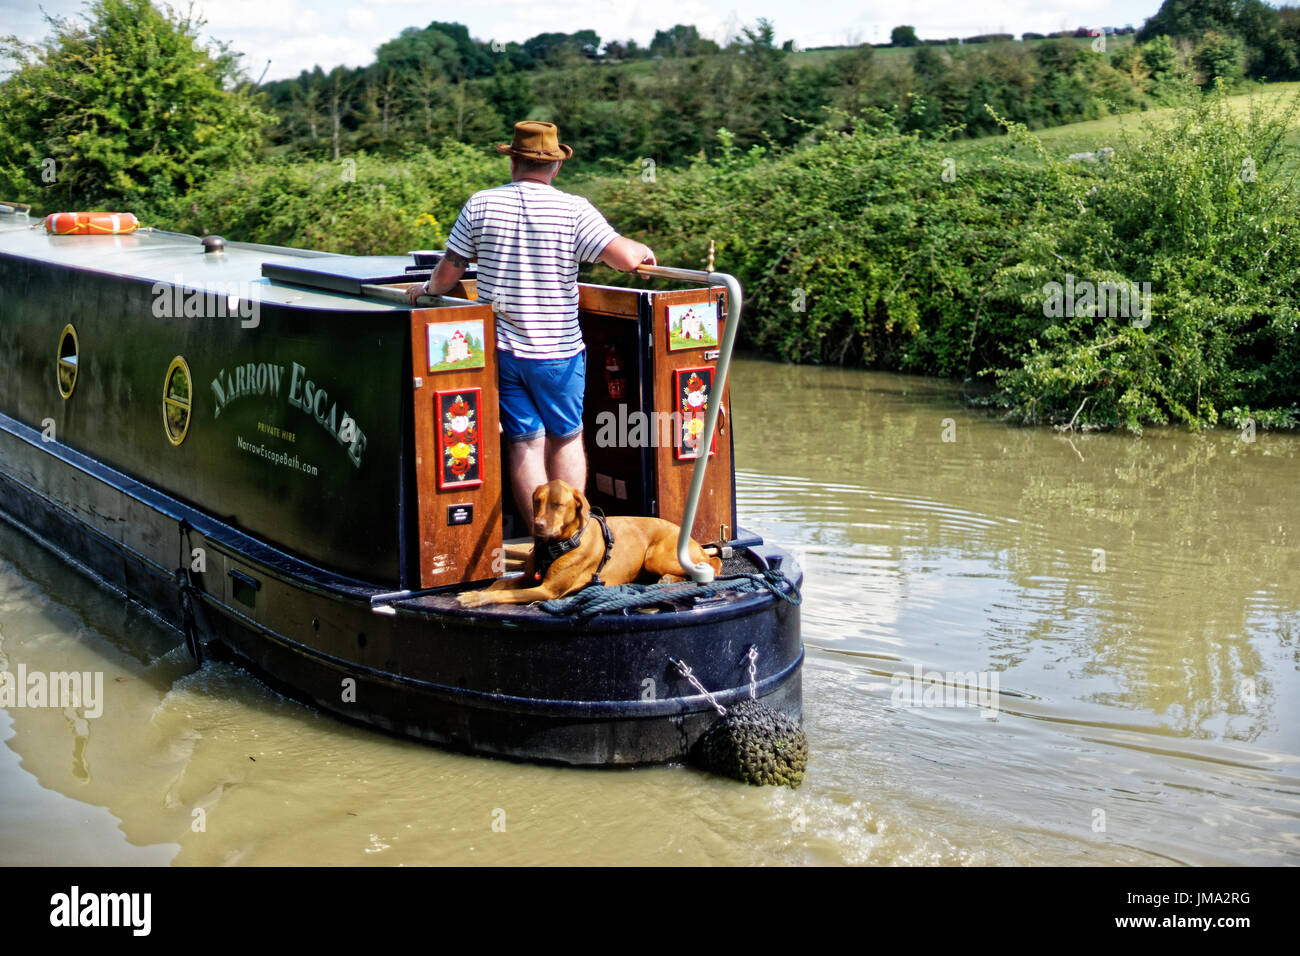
(475, 56)
(338, 98)
(560, 49)
(383, 87)
(588, 43)
(470, 118)
(904, 36)
(1159, 57)
(757, 94)
(1189, 18)
(414, 47)
(1219, 56)
(423, 90)
(681, 40)
(928, 63)
(457, 55)
(127, 110)
(1252, 22)
(1288, 25)
(509, 93)
(684, 105)
(1058, 56)
(307, 100)
(855, 76)
(1128, 61)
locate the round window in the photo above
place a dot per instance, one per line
(176, 401)
(67, 367)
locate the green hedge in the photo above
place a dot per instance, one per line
(907, 256)
(361, 205)
(881, 249)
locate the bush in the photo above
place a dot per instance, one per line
(871, 247)
(359, 205)
(877, 248)
(874, 247)
(122, 112)
(1219, 56)
(1202, 209)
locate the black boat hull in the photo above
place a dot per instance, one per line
(482, 682)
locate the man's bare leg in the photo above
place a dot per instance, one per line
(527, 471)
(567, 460)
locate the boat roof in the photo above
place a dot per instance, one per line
(179, 259)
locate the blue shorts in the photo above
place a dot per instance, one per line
(541, 396)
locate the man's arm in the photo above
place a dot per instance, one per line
(445, 276)
(626, 254)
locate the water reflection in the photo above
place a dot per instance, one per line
(1159, 576)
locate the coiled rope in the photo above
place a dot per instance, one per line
(601, 599)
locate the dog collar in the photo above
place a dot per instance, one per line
(547, 552)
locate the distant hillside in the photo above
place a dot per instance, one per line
(666, 105)
(675, 97)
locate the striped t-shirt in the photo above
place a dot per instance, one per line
(528, 238)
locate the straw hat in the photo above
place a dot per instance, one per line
(537, 141)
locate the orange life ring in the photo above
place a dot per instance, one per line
(90, 223)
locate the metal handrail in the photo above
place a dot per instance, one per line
(703, 573)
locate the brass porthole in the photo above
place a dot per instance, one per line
(177, 399)
(67, 365)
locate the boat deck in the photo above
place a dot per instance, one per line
(684, 598)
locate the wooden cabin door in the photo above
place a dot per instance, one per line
(687, 329)
(457, 446)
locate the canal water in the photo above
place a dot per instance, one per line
(1024, 647)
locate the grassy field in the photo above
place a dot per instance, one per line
(1092, 135)
(823, 55)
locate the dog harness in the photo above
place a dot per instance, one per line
(546, 552)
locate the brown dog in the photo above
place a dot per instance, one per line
(646, 545)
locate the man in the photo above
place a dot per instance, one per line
(529, 238)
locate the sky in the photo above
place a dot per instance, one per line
(298, 34)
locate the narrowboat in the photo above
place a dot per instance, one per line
(298, 470)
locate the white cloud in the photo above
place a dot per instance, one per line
(291, 34)
(298, 34)
(360, 18)
(269, 16)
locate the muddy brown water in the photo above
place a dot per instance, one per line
(1106, 631)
